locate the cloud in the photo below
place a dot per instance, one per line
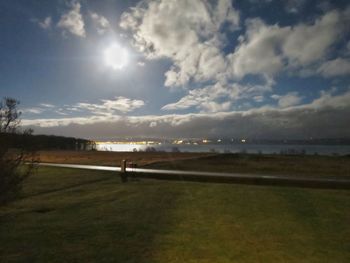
(326, 116)
(305, 44)
(109, 107)
(46, 23)
(328, 100)
(47, 105)
(191, 35)
(101, 23)
(269, 49)
(287, 100)
(61, 111)
(123, 104)
(294, 6)
(259, 50)
(106, 108)
(335, 67)
(34, 110)
(39, 109)
(72, 21)
(187, 31)
(217, 97)
(258, 98)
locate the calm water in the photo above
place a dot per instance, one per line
(233, 148)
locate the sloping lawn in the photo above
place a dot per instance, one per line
(68, 215)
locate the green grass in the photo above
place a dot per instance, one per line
(67, 215)
(265, 164)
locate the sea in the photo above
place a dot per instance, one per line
(332, 150)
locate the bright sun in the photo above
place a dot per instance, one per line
(116, 56)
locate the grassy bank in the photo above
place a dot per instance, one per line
(69, 215)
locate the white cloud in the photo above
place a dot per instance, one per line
(212, 106)
(287, 100)
(104, 108)
(324, 117)
(72, 21)
(39, 109)
(61, 111)
(305, 43)
(153, 124)
(269, 49)
(329, 100)
(101, 23)
(186, 31)
(275, 96)
(34, 110)
(47, 105)
(258, 98)
(109, 107)
(259, 50)
(335, 67)
(46, 23)
(123, 104)
(189, 33)
(218, 97)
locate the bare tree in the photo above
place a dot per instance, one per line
(17, 153)
(9, 115)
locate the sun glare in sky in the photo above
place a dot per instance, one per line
(116, 56)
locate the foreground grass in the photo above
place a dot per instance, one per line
(70, 215)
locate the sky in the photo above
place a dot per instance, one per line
(262, 69)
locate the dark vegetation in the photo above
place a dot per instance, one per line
(18, 146)
(13, 152)
(50, 142)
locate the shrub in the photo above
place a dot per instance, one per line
(17, 153)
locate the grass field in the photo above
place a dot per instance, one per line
(239, 163)
(113, 158)
(264, 164)
(67, 215)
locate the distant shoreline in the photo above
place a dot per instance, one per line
(289, 149)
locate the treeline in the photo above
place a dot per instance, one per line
(47, 142)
